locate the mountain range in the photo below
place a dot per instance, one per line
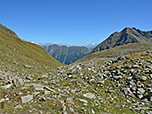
(127, 35)
(89, 46)
(65, 54)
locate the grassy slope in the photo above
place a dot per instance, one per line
(118, 51)
(15, 53)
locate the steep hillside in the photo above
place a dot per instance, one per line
(66, 55)
(128, 49)
(127, 35)
(23, 57)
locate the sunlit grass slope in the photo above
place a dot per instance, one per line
(16, 53)
(127, 49)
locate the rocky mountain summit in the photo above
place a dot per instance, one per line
(115, 85)
(126, 36)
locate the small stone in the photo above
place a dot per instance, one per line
(70, 76)
(6, 86)
(42, 99)
(140, 96)
(72, 110)
(93, 112)
(143, 78)
(100, 82)
(83, 100)
(27, 66)
(109, 91)
(7, 99)
(69, 100)
(128, 67)
(117, 77)
(28, 78)
(141, 90)
(89, 95)
(135, 66)
(92, 81)
(2, 100)
(38, 86)
(27, 98)
(63, 107)
(18, 106)
(17, 82)
(46, 92)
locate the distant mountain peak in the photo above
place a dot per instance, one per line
(127, 35)
(128, 30)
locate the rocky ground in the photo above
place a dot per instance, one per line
(115, 85)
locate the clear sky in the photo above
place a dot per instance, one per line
(74, 22)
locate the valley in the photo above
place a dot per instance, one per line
(117, 80)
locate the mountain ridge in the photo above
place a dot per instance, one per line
(17, 53)
(127, 35)
(65, 54)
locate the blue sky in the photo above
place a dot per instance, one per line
(74, 22)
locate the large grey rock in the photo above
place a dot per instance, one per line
(27, 98)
